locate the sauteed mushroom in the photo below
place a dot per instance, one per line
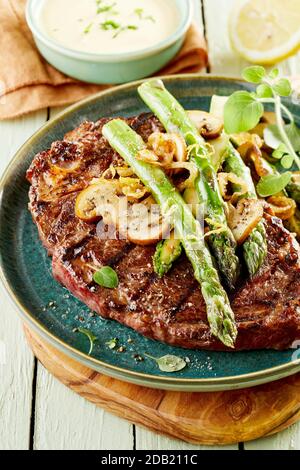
(209, 126)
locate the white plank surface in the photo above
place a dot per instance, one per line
(16, 360)
(65, 421)
(62, 419)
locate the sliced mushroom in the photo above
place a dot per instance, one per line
(209, 126)
(144, 224)
(244, 218)
(96, 201)
(140, 223)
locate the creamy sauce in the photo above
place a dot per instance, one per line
(108, 26)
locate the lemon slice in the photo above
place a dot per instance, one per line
(265, 32)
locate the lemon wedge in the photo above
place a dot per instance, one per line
(265, 32)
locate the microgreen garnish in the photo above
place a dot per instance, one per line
(106, 277)
(273, 184)
(112, 343)
(88, 28)
(92, 338)
(169, 363)
(244, 110)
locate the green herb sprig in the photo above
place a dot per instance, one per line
(91, 337)
(169, 363)
(112, 343)
(244, 110)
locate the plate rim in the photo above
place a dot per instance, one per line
(163, 382)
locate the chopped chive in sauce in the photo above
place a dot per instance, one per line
(88, 28)
(140, 13)
(106, 9)
(109, 25)
(129, 27)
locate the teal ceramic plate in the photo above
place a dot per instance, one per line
(54, 313)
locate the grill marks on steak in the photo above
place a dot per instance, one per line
(171, 309)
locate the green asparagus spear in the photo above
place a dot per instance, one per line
(255, 247)
(167, 252)
(175, 119)
(219, 313)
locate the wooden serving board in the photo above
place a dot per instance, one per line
(199, 418)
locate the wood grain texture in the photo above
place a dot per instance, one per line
(16, 359)
(199, 418)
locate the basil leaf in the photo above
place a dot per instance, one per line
(283, 87)
(273, 184)
(92, 338)
(254, 74)
(280, 151)
(242, 112)
(287, 161)
(106, 277)
(274, 73)
(264, 91)
(169, 363)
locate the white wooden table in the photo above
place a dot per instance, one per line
(36, 411)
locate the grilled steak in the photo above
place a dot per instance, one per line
(172, 310)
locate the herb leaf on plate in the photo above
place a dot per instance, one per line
(242, 112)
(92, 338)
(273, 184)
(106, 277)
(169, 363)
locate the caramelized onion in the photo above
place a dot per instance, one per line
(282, 206)
(168, 147)
(251, 152)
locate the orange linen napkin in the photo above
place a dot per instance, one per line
(29, 83)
